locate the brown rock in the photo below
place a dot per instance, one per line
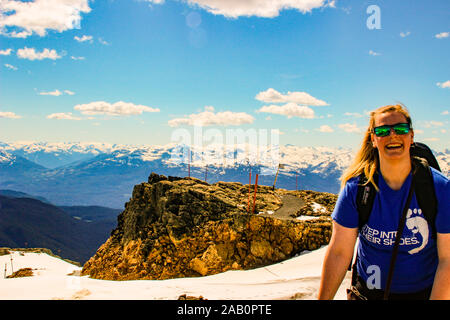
(174, 227)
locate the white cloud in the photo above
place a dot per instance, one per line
(11, 67)
(102, 41)
(442, 35)
(289, 110)
(432, 123)
(32, 54)
(5, 52)
(9, 115)
(119, 108)
(77, 58)
(21, 19)
(404, 34)
(54, 93)
(350, 127)
(209, 118)
(373, 53)
(259, 8)
(303, 98)
(445, 112)
(63, 116)
(445, 84)
(83, 38)
(353, 114)
(325, 128)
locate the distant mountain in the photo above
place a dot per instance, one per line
(92, 213)
(18, 194)
(107, 176)
(26, 222)
(53, 155)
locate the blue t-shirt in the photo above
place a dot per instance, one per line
(417, 258)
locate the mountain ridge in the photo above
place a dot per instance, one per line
(106, 177)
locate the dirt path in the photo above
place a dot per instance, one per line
(291, 204)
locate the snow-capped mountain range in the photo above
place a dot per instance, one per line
(104, 174)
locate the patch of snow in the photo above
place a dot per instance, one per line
(298, 276)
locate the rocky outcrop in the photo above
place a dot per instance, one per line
(174, 227)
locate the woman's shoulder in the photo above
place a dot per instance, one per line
(350, 188)
(352, 183)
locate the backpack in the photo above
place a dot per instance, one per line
(423, 159)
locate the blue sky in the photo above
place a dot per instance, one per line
(134, 71)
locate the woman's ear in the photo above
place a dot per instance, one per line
(372, 139)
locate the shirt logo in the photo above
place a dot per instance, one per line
(417, 224)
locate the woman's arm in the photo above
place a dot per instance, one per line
(337, 259)
(441, 285)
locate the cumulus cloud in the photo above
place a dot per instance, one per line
(258, 8)
(104, 42)
(442, 35)
(77, 58)
(350, 127)
(432, 123)
(325, 128)
(210, 118)
(373, 53)
(273, 96)
(9, 66)
(5, 52)
(83, 38)
(9, 115)
(404, 34)
(63, 116)
(21, 19)
(54, 93)
(445, 84)
(289, 110)
(353, 114)
(32, 54)
(119, 108)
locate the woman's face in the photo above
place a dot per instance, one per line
(393, 146)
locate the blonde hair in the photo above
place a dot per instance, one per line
(366, 159)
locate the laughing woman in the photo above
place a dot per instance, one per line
(422, 267)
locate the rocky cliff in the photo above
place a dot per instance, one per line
(182, 227)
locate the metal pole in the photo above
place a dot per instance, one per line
(276, 176)
(254, 197)
(249, 189)
(12, 269)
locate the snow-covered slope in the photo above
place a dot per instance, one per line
(297, 277)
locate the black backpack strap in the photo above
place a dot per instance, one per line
(365, 198)
(425, 192)
(421, 150)
(401, 226)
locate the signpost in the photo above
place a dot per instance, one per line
(280, 166)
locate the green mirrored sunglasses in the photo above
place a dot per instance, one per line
(384, 131)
